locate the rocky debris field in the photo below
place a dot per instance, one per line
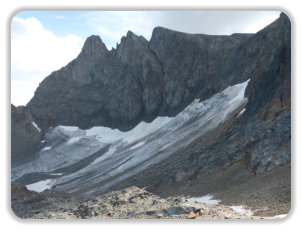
(129, 203)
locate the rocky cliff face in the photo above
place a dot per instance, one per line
(140, 80)
(25, 134)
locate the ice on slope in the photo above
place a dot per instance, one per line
(129, 152)
(239, 89)
(143, 129)
(160, 137)
(108, 135)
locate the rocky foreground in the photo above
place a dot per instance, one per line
(129, 203)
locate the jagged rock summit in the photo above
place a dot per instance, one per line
(140, 79)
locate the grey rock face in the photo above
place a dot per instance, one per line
(101, 87)
(140, 80)
(25, 137)
(273, 147)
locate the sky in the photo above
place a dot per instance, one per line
(45, 41)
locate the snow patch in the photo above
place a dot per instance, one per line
(36, 126)
(242, 211)
(41, 185)
(46, 148)
(241, 112)
(207, 199)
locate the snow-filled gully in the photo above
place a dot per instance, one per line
(83, 160)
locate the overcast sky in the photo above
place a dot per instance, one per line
(45, 41)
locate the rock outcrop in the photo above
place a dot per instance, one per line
(140, 80)
(25, 134)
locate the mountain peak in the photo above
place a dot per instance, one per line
(93, 39)
(94, 44)
(130, 34)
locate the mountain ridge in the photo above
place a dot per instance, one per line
(139, 80)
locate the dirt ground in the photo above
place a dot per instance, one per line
(267, 193)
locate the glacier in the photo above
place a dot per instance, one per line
(90, 161)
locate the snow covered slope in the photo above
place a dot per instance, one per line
(89, 161)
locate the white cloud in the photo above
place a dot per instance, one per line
(112, 25)
(35, 53)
